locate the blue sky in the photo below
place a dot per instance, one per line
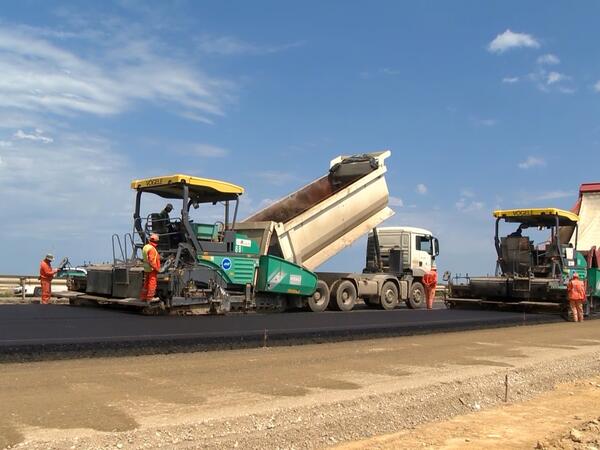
(483, 104)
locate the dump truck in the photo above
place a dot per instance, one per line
(527, 274)
(314, 223)
(397, 258)
(229, 265)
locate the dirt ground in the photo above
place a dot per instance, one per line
(442, 391)
(567, 417)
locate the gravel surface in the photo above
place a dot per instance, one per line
(367, 388)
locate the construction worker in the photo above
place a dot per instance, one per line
(151, 268)
(576, 294)
(46, 275)
(161, 222)
(517, 233)
(163, 216)
(430, 283)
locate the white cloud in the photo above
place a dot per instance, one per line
(510, 80)
(552, 81)
(5, 144)
(367, 74)
(230, 45)
(206, 151)
(484, 122)
(62, 203)
(597, 86)
(389, 71)
(566, 90)
(421, 189)
(467, 193)
(465, 205)
(264, 203)
(555, 77)
(36, 136)
(106, 79)
(532, 161)
(507, 40)
(550, 196)
(553, 195)
(548, 59)
(68, 194)
(276, 178)
(395, 201)
(196, 117)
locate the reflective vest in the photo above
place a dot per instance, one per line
(151, 258)
(46, 272)
(430, 278)
(576, 290)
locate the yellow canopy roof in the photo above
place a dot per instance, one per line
(200, 188)
(535, 216)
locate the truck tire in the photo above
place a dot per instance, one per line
(345, 296)
(319, 301)
(389, 296)
(416, 297)
(37, 291)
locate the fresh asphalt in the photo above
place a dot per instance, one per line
(55, 331)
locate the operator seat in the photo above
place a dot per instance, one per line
(166, 232)
(517, 255)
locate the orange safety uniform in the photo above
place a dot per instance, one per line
(576, 295)
(46, 275)
(430, 283)
(151, 269)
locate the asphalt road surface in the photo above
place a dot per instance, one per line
(40, 331)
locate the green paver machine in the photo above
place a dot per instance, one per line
(527, 275)
(205, 264)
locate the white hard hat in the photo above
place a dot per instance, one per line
(49, 256)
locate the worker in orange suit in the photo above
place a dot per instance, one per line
(46, 275)
(576, 295)
(430, 283)
(151, 268)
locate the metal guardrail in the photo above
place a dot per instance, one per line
(10, 281)
(28, 284)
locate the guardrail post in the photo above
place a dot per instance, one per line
(22, 282)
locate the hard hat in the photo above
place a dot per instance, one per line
(154, 237)
(575, 275)
(49, 256)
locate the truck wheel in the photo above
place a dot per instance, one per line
(416, 298)
(320, 299)
(37, 291)
(389, 296)
(345, 296)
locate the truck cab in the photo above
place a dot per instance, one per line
(397, 259)
(417, 249)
